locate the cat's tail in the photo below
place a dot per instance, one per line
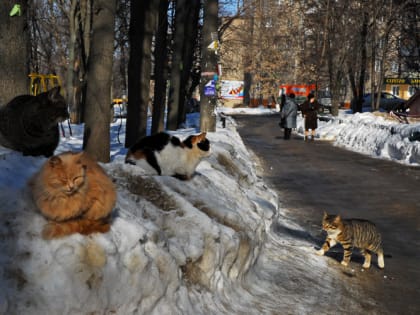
(83, 226)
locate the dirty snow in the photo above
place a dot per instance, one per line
(217, 244)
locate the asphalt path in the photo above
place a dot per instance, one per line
(313, 177)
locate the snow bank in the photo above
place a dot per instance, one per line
(167, 237)
(377, 136)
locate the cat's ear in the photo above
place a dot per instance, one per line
(54, 93)
(337, 219)
(80, 157)
(198, 138)
(202, 136)
(54, 161)
(325, 214)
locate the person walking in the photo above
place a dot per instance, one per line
(288, 115)
(282, 98)
(310, 112)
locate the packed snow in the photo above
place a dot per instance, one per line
(178, 247)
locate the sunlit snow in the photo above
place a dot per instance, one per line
(217, 244)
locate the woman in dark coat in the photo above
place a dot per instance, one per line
(289, 113)
(310, 112)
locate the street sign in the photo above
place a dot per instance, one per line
(210, 88)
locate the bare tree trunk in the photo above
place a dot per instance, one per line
(363, 64)
(121, 39)
(373, 56)
(70, 77)
(96, 138)
(248, 57)
(176, 70)
(142, 27)
(161, 69)
(208, 64)
(14, 51)
(190, 37)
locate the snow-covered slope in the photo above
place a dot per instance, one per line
(167, 236)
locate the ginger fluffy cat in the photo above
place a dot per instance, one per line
(75, 194)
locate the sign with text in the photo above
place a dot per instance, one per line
(210, 88)
(412, 81)
(233, 90)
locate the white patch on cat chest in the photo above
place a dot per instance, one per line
(174, 160)
(333, 234)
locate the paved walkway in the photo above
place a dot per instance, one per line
(311, 177)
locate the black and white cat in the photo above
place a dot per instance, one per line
(164, 154)
(29, 124)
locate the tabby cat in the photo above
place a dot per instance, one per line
(163, 154)
(75, 194)
(29, 124)
(351, 233)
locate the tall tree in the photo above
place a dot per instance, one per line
(186, 31)
(190, 39)
(143, 22)
(177, 65)
(208, 65)
(161, 69)
(71, 73)
(14, 50)
(96, 138)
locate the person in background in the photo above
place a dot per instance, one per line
(288, 114)
(310, 112)
(282, 98)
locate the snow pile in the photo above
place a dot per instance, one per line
(167, 236)
(180, 247)
(377, 136)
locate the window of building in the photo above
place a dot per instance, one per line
(411, 91)
(396, 90)
(394, 67)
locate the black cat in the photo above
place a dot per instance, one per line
(29, 124)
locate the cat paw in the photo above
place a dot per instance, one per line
(381, 263)
(344, 263)
(50, 231)
(366, 265)
(320, 252)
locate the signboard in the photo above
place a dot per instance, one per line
(297, 89)
(210, 88)
(233, 90)
(412, 81)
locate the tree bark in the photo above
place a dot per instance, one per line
(363, 64)
(161, 69)
(209, 65)
(177, 64)
(190, 38)
(96, 138)
(71, 73)
(142, 27)
(14, 51)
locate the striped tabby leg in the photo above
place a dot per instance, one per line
(367, 258)
(347, 254)
(381, 262)
(327, 245)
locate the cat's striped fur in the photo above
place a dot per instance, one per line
(351, 233)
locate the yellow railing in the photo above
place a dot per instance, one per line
(42, 82)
